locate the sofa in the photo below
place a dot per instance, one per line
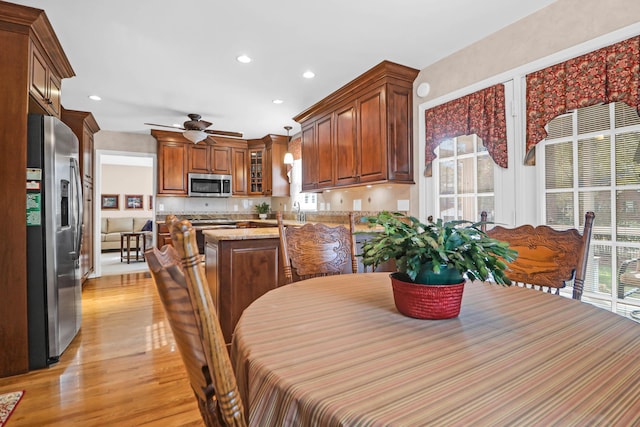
(111, 228)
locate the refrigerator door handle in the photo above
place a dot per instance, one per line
(79, 208)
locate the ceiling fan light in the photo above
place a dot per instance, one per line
(195, 136)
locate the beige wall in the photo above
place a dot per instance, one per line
(563, 25)
(125, 141)
(122, 180)
(559, 26)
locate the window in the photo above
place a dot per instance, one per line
(306, 201)
(465, 182)
(592, 163)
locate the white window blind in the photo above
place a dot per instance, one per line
(592, 163)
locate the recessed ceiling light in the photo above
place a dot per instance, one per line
(244, 59)
(95, 98)
(277, 101)
(308, 74)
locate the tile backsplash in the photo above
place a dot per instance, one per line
(365, 200)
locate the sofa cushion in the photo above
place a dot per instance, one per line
(138, 223)
(118, 225)
(103, 225)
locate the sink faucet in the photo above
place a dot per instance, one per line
(300, 216)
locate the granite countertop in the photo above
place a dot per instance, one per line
(216, 235)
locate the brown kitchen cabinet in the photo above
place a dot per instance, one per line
(238, 273)
(84, 126)
(256, 168)
(172, 168)
(163, 237)
(276, 182)
(25, 34)
(267, 171)
(239, 171)
(361, 133)
(177, 157)
(204, 158)
(44, 82)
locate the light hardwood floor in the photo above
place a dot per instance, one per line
(121, 370)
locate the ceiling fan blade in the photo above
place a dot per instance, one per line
(164, 126)
(223, 133)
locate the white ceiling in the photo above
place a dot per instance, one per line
(157, 60)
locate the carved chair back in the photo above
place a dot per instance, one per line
(315, 250)
(548, 259)
(184, 292)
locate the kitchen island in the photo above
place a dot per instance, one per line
(242, 264)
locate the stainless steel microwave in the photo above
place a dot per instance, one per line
(209, 185)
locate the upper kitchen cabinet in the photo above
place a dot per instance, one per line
(266, 170)
(204, 158)
(362, 133)
(84, 125)
(44, 83)
(177, 157)
(256, 167)
(276, 181)
(25, 34)
(172, 163)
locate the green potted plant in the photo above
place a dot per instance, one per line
(263, 210)
(434, 256)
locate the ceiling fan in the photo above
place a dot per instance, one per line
(195, 130)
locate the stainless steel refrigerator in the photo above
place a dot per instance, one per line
(54, 227)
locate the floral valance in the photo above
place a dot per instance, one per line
(606, 75)
(481, 113)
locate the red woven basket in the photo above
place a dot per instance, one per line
(427, 301)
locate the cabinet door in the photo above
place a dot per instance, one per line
(86, 246)
(87, 154)
(267, 163)
(220, 160)
(172, 168)
(198, 158)
(239, 168)
(53, 94)
(309, 158)
(324, 137)
(44, 86)
(256, 170)
(400, 133)
(345, 153)
(372, 152)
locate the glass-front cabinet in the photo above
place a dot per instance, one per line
(256, 171)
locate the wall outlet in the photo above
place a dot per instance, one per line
(235, 208)
(357, 204)
(160, 206)
(403, 205)
(322, 206)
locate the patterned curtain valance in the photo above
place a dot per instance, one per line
(482, 113)
(606, 75)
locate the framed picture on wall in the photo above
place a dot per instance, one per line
(133, 201)
(110, 201)
(150, 203)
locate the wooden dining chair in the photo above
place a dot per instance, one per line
(315, 250)
(548, 259)
(185, 295)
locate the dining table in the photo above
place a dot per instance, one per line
(334, 351)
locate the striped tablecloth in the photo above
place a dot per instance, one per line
(335, 352)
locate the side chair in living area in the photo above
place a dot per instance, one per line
(315, 250)
(184, 292)
(548, 259)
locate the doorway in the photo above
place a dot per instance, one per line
(129, 178)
